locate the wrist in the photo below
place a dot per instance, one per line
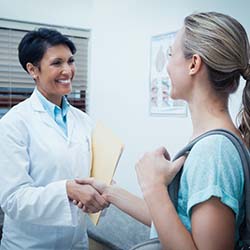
(150, 192)
(70, 188)
(109, 193)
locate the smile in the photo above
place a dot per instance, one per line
(66, 81)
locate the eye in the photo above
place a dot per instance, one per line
(71, 60)
(56, 63)
(169, 52)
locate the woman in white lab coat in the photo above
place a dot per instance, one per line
(45, 144)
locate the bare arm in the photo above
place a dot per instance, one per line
(212, 223)
(119, 197)
(129, 203)
(172, 233)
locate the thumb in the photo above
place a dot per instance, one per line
(84, 181)
(178, 163)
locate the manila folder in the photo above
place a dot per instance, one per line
(106, 152)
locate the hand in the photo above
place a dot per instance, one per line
(96, 184)
(90, 200)
(155, 168)
(101, 187)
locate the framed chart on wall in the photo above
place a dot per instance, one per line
(160, 102)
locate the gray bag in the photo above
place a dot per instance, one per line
(173, 188)
(1, 222)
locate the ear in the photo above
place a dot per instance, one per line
(195, 64)
(32, 69)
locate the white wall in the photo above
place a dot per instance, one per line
(119, 63)
(75, 13)
(120, 72)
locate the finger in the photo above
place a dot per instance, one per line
(93, 203)
(90, 197)
(90, 206)
(163, 151)
(167, 155)
(84, 181)
(85, 209)
(80, 205)
(75, 202)
(90, 209)
(177, 164)
(101, 201)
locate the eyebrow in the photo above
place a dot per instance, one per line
(62, 59)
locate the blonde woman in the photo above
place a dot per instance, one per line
(210, 53)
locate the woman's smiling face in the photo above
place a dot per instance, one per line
(55, 72)
(178, 69)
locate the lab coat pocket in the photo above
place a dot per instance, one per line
(80, 151)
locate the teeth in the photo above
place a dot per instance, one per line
(64, 81)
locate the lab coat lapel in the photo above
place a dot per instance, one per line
(44, 116)
(70, 124)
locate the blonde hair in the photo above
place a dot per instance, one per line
(223, 45)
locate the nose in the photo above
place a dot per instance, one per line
(67, 69)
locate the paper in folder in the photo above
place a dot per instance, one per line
(106, 152)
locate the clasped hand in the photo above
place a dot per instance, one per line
(87, 194)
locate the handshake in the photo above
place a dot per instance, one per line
(88, 194)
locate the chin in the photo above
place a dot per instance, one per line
(66, 90)
(173, 96)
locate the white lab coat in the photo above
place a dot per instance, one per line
(36, 160)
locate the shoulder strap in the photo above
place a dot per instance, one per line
(173, 188)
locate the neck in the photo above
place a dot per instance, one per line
(209, 113)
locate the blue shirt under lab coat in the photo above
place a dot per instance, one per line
(59, 114)
(37, 158)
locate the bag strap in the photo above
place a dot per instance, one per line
(173, 188)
